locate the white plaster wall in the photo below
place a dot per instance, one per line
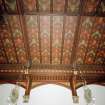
(52, 95)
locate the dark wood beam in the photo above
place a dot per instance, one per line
(63, 35)
(98, 6)
(25, 37)
(76, 35)
(37, 6)
(18, 5)
(51, 33)
(52, 66)
(66, 6)
(51, 6)
(57, 14)
(5, 9)
(76, 41)
(39, 38)
(52, 76)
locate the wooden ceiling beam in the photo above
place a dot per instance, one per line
(76, 41)
(97, 8)
(63, 34)
(39, 38)
(66, 6)
(53, 76)
(51, 6)
(25, 37)
(37, 6)
(76, 35)
(57, 14)
(51, 34)
(52, 66)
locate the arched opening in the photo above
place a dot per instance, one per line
(51, 94)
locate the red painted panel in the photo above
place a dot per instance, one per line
(29, 5)
(18, 37)
(85, 31)
(90, 6)
(45, 38)
(94, 40)
(8, 44)
(58, 5)
(44, 5)
(32, 31)
(57, 39)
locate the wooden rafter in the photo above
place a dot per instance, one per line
(25, 37)
(76, 36)
(76, 40)
(66, 6)
(99, 3)
(37, 6)
(51, 33)
(51, 6)
(39, 37)
(63, 34)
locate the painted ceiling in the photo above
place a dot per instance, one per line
(52, 32)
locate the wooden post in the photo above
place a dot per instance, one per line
(73, 85)
(73, 88)
(28, 89)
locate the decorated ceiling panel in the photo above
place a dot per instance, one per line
(84, 32)
(57, 39)
(7, 44)
(74, 6)
(91, 35)
(52, 32)
(91, 6)
(29, 5)
(32, 30)
(58, 6)
(17, 35)
(44, 5)
(11, 6)
(45, 38)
